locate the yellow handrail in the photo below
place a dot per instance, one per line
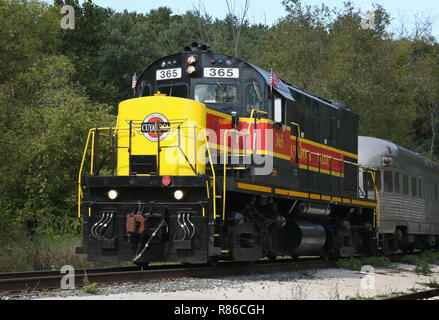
(213, 173)
(91, 134)
(225, 153)
(377, 211)
(80, 194)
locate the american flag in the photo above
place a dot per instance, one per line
(133, 85)
(274, 80)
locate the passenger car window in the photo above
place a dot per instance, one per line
(414, 187)
(421, 189)
(405, 185)
(388, 181)
(215, 93)
(378, 180)
(368, 181)
(396, 182)
(435, 193)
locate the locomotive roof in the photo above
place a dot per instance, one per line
(285, 88)
(371, 151)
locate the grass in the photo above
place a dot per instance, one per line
(422, 261)
(87, 287)
(382, 295)
(433, 284)
(44, 253)
(357, 263)
(423, 267)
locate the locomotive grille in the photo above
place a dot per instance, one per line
(350, 176)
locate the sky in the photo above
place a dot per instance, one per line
(269, 11)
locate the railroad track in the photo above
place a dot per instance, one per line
(427, 294)
(35, 281)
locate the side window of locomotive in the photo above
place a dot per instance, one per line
(174, 91)
(405, 185)
(388, 181)
(396, 182)
(414, 187)
(145, 90)
(436, 193)
(215, 93)
(253, 98)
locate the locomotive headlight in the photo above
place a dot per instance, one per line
(112, 194)
(191, 60)
(190, 69)
(178, 195)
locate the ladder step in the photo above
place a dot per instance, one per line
(218, 197)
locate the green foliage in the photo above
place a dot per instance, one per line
(357, 263)
(433, 284)
(87, 287)
(423, 267)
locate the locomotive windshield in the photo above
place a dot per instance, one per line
(179, 90)
(215, 93)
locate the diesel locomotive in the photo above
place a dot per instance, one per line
(216, 159)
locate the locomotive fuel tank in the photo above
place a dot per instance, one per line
(308, 237)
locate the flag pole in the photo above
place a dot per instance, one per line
(271, 83)
(133, 84)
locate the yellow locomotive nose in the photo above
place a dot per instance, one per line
(160, 135)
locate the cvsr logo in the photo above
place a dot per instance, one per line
(149, 127)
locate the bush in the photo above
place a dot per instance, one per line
(423, 267)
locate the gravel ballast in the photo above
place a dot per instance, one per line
(326, 284)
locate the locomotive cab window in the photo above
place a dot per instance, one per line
(253, 97)
(145, 89)
(179, 90)
(216, 93)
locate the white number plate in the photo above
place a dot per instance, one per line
(166, 74)
(221, 72)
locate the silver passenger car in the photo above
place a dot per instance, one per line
(408, 189)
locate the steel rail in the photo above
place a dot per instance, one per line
(427, 294)
(28, 281)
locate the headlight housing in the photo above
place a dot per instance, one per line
(112, 194)
(178, 194)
